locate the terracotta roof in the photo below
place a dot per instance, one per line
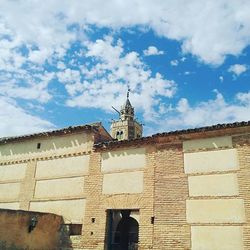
(94, 127)
(170, 133)
(88, 127)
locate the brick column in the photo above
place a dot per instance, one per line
(242, 143)
(171, 230)
(94, 231)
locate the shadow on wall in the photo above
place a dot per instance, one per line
(126, 152)
(25, 230)
(41, 145)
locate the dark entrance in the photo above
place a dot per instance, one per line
(122, 230)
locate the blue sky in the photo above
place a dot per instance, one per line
(66, 63)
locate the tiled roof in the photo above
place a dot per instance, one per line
(170, 133)
(94, 128)
(88, 127)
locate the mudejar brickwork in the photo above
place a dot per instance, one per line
(186, 189)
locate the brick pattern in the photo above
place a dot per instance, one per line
(171, 191)
(94, 234)
(242, 143)
(164, 195)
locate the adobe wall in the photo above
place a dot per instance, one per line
(14, 232)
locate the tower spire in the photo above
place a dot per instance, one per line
(126, 127)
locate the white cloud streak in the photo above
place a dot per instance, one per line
(17, 121)
(237, 69)
(152, 51)
(206, 113)
(174, 62)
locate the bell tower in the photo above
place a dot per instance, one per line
(126, 128)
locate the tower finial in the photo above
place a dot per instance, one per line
(128, 92)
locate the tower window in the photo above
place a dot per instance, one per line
(38, 146)
(119, 135)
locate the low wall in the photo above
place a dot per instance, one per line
(15, 227)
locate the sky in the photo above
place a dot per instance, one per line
(65, 63)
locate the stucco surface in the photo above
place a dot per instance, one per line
(9, 205)
(217, 238)
(66, 187)
(215, 211)
(71, 210)
(208, 143)
(213, 185)
(123, 159)
(12, 172)
(77, 165)
(9, 191)
(47, 144)
(210, 161)
(118, 183)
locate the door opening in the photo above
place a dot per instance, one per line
(122, 230)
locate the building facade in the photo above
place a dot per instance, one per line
(186, 189)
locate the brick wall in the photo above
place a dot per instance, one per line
(242, 144)
(164, 196)
(171, 191)
(98, 203)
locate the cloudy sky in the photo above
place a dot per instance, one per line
(65, 63)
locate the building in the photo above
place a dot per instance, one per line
(186, 189)
(126, 128)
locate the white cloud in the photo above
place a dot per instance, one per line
(219, 28)
(17, 121)
(107, 78)
(207, 113)
(152, 51)
(221, 78)
(174, 62)
(34, 88)
(237, 69)
(32, 35)
(61, 65)
(244, 97)
(182, 105)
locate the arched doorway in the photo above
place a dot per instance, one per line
(124, 231)
(128, 229)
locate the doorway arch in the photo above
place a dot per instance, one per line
(122, 229)
(128, 230)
